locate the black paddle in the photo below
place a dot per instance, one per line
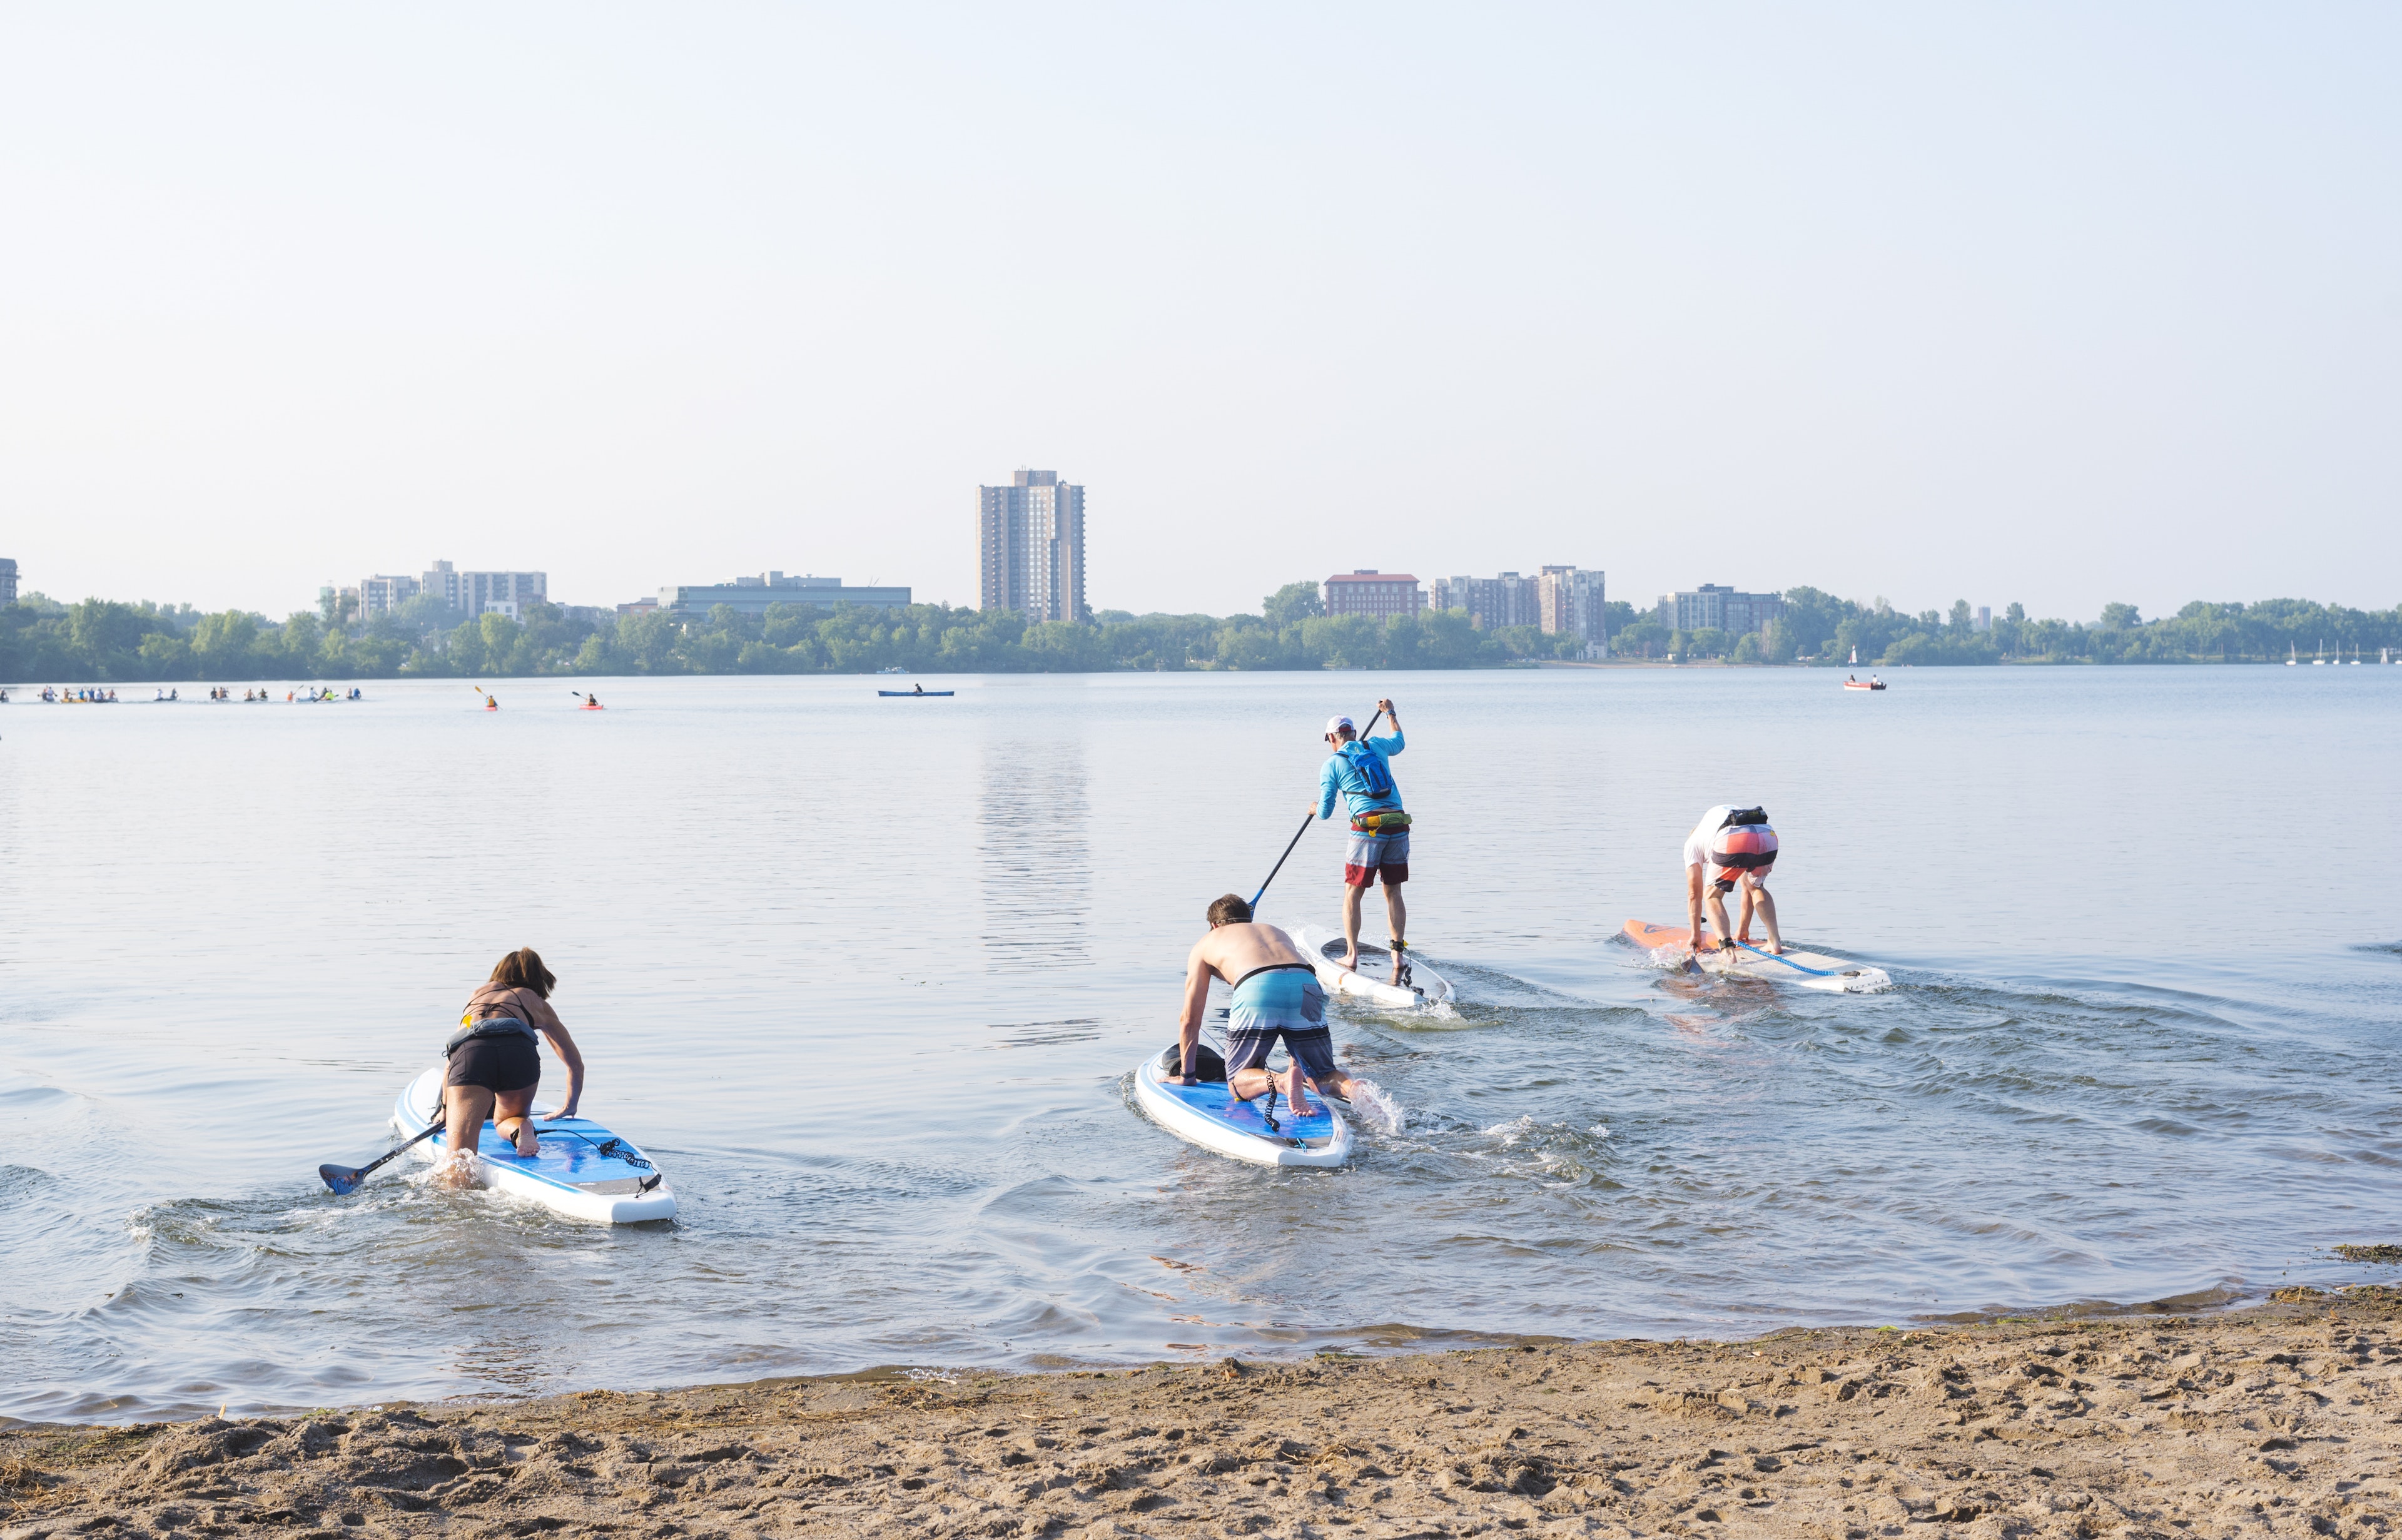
(1307, 819)
(345, 1180)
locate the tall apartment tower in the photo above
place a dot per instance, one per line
(7, 580)
(1575, 602)
(1031, 536)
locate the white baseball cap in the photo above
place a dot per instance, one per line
(1336, 724)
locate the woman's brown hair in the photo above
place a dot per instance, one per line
(522, 970)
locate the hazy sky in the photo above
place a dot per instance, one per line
(2055, 303)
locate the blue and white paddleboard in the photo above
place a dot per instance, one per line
(583, 1171)
(1208, 1115)
(1419, 988)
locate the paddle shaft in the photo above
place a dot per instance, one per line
(356, 1178)
(1306, 820)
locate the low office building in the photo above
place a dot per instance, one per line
(1366, 591)
(752, 595)
(1716, 607)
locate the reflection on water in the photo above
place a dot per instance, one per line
(902, 1133)
(1037, 864)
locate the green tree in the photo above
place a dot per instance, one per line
(1292, 604)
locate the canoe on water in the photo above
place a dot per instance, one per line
(1208, 1115)
(909, 695)
(583, 1171)
(1420, 986)
(1807, 970)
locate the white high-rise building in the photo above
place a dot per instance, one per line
(477, 593)
(1030, 539)
(1574, 601)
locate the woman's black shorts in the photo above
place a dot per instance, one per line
(503, 1062)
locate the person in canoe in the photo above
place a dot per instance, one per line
(1731, 848)
(1276, 995)
(495, 1059)
(1361, 775)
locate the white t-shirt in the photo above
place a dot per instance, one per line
(1698, 844)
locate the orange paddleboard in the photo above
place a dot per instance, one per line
(1808, 969)
(1644, 933)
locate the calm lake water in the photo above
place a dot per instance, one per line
(868, 977)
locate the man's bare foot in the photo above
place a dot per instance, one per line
(1351, 963)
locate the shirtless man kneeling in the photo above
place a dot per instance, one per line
(1276, 995)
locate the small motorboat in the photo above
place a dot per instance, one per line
(1864, 685)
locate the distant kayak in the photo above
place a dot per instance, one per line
(1421, 986)
(909, 695)
(583, 1171)
(1208, 1115)
(1807, 970)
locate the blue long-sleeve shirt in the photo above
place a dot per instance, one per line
(1339, 776)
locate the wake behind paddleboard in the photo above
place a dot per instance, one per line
(1809, 969)
(1208, 1115)
(1420, 987)
(582, 1171)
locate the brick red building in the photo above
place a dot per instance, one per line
(1369, 592)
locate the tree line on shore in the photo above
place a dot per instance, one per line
(98, 640)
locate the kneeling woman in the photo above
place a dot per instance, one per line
(495, 1058)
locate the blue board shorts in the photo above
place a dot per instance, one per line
(1281, 1002)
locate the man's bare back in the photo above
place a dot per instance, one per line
(1230, 951)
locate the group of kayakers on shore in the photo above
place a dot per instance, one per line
(99, 695)
(495, 1064)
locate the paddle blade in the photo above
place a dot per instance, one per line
(343, 1180)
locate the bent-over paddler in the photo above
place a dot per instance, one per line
(495, 1062)
(1361, 773)
(1731, 848)
(1277, 996)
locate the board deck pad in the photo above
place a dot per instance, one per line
(1212, 1100)
(575, 1152)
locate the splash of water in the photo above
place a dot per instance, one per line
(1376, 1108)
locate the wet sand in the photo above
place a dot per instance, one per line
(2285, 1420)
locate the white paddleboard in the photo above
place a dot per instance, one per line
(1208, 1115)
(582, 1171)
(1421, 986)
(1803, 970)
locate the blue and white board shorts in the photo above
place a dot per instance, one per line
(1281, 1002)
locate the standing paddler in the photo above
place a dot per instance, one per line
(1361, 775)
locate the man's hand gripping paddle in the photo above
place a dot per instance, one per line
(1308, 818)
(345, 1180)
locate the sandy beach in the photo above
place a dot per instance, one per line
(2278, 1421)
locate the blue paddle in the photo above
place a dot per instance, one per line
(1306, 820)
